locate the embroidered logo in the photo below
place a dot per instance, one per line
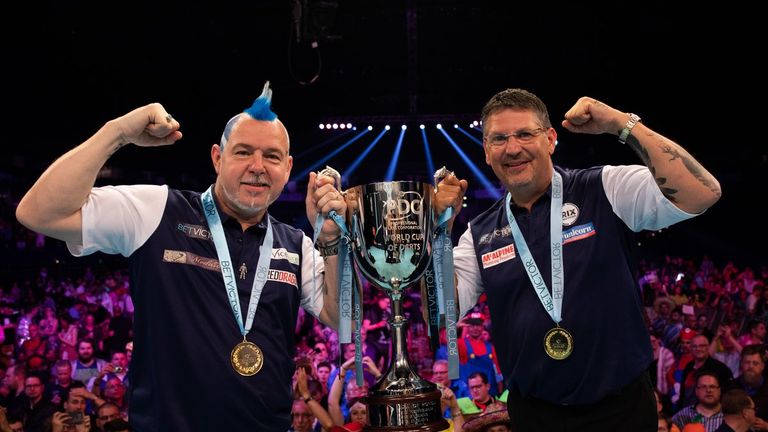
(195, 231)
(498, 256)
(181, 257)
(579, 232)
(570, 214)
(487, 238)
(282, 276)
(282, 253)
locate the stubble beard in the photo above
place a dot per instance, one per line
(247, 208)
(751, 379)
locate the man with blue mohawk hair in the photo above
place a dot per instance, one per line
(198, 260)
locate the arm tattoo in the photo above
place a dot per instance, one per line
(667, 191)
(693, 166)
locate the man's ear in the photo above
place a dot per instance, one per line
(216, 157)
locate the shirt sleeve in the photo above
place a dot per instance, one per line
(469, 286)
(637, 200)
(312, 276)
(119, 219)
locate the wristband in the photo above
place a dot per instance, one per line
(330, 248)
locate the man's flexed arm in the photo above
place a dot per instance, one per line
(52, 205)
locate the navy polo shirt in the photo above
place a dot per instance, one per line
(184, 331)
(601, 306)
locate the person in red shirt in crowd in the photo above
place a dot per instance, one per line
(477, 355)
(675, 375)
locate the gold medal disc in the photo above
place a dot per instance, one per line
(558, 343)
(247, 358)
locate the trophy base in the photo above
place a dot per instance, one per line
(419, 413)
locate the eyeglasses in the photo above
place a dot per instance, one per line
(522, 136)
(707, 387)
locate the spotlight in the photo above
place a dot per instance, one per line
(322, 126)
(403, 127)
(370, 127)
(475, 123)
(439, 126)
(421, 127)
(349, 125)
(327, 125)
(387, 127)
(342, 126)
(335, 125)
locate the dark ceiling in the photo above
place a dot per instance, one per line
(70, 66)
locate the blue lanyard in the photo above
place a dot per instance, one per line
(553, 304)
(227, 271)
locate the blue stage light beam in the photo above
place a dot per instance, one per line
(489, 187)
(461, 129)
(390, 175)
(354, 165)
(319, 163)
(430, 164)
(317, 147)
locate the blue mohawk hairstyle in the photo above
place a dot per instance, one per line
(260, 110)
(262, 106)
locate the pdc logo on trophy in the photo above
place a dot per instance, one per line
(400, 208)
(401, 229)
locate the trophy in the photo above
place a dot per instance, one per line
(391, 227)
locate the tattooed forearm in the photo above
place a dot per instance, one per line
(641, 151)
(693, 166)
(634, 144)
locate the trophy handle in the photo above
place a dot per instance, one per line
(332, 173)
(440, 174)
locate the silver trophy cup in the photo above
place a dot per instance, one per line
(391, 226)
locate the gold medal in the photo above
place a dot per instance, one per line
(558, 343)
(247, 358)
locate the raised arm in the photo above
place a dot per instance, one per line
(334, 394)
(680, 177)
(302, 388)
(52, 205)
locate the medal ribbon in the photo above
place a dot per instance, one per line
(433, 313)
(357, 315)
(344, 273)
(442, 261)
(553, 304)
(228, 273)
